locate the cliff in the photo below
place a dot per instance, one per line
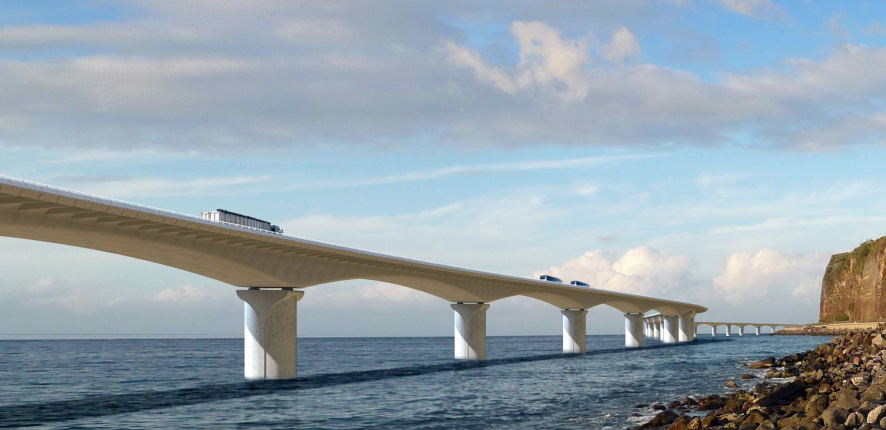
(853, 284)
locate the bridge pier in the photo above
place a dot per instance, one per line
(270, 337)
(741, 330)
(758, 330)
(713, 331)
(670, 329)
(728, 330)
(633, 327)
(575, 325)
(470, 330)
(656, 329)
(687, 332)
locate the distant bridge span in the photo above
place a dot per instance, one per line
(654, 326)
(271, 266)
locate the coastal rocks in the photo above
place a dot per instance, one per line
(840, 385)
(661, 419)
(763, 364)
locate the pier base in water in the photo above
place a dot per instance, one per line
(271, 332)
(574, 331)
(470, 330)
(633, 330)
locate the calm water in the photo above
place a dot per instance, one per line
(363, 382)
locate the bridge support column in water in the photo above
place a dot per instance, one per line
(714, 331)
(741, 330)
(758, 330)
(728, 330)
(656, 329)
(687, 324)
(470, 330)
(575, 325)
(670, 329)
(271, 334)
(633, 330)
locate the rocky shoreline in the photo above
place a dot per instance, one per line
(839, 385)
(817, 331)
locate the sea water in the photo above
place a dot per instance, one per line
(367, 383)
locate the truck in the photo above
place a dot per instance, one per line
(221, 215)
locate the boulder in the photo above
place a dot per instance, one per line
(679, 424)
(874, 393)
(875, 415)
(824, 349)
(747, 376)
(661, 419)
(879, 340)
(764, 363)
(784, 394)
(731, 384)
(834, 416)
(694, 424)
(854, 419)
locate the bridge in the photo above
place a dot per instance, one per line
(273, 271)
(657, 326)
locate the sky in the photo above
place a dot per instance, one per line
(711, 151)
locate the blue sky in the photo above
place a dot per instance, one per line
(713, 151)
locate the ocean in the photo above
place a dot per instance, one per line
(366, 383)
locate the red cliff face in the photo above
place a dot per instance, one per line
(854, 283)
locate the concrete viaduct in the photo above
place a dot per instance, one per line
(659, 327)
(273, 271)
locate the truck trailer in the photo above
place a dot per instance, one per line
(229, 217)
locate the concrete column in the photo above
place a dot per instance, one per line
(728, 330)
(670, 329)
(633, 327)
(686, 332)
(574, 330)
(714, 331)
(741, 330)
(758, 330)
(656, 329)
(270, 337)
(695, 329)
(646, 329)
(470, 330)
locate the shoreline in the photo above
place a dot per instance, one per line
(828, 329)
(838, 385)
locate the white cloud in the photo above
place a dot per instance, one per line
(134, 187)
(624, 45)
(587, 190)
(754, 8)
(191, 293)
(771, 274)
(641, 270)
(384, 292)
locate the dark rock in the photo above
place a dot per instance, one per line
(763, 364)
(679, 424)
(747, 376)
(662, 418)
(784, 394)
(833, 416)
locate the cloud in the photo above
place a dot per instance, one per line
(520, 166)
(124, 186)
(624, 45)
(642, 270)
(771, 274)
(191, 294)
(384, 292)
(214, 77)
(754, 8)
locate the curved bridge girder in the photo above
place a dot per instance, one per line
(246, 257)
